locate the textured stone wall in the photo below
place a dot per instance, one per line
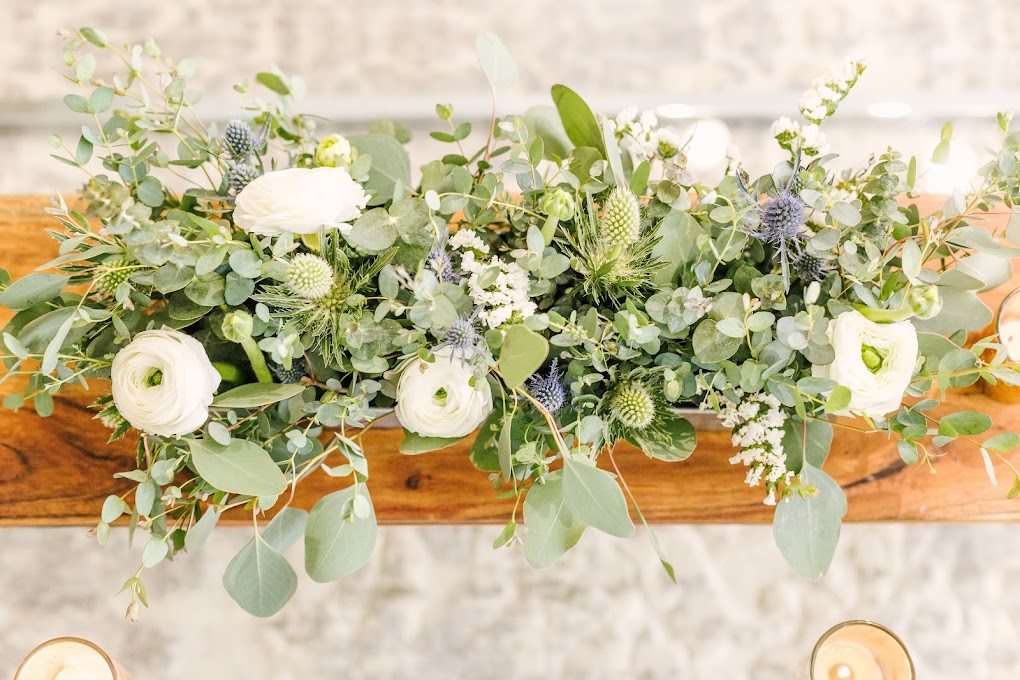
(438, 602)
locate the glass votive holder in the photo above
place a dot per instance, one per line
(860, 650)
(1007, 327)
(69, 658)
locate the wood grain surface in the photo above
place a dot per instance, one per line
(58, 470)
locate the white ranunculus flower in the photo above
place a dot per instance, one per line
(163, 383)
(437, 400)
(299, 201)
(875, 361)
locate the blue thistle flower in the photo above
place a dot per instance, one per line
(810, 267)
(547, 389)
(298, 369)
(439, 261)
(239, 139)
(462, 335)
(781, 218)
(241, 175)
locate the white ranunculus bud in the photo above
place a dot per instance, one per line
(438, 400)
(163, 383)
(299, 201)
(335, 151)
(875, 361)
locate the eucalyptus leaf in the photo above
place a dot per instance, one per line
(595, 498)
(415, 443)
(243, 467)
(255, 395)
(32, 289)
(390, 165)
(807, 529)
(338, 543)
(260, 579)
(550, 528)
(523, 352)
(497, 64)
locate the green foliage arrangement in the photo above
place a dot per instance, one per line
(250, 299)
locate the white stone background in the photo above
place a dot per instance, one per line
(438, 602)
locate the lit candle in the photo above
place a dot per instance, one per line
(1009, 335)
(860, 650)
(68, 659)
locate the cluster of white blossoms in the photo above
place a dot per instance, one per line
(808, 139)
(757, 425)
(500, 298)
(828, 90)
(641, 136)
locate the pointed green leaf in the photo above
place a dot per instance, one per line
(550, 528)
(595, 498)
(285, 529)
(499, 67)
(415, 443)
(807, 529)
(256, 395)
(242, 467)
(579, 122)
(31, 290)
(201, 529)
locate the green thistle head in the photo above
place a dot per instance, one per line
(310, 276)
(613, 257)
(113, 275)
(620, 224)
(329, 322)
(633, 406)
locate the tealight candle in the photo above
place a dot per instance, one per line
(860, 650)
(1009, 335)
(68, 659)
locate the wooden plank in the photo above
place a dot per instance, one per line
(57, 471)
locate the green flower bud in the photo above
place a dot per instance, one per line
(557, 203)
(924, 301)
(238, 326)
(633, 406)
(113, 275)
(335, 151)
(620, 224)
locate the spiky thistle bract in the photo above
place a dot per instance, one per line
(325, 322)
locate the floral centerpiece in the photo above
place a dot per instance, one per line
(252, 298)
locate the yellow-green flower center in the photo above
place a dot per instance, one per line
(873, 358)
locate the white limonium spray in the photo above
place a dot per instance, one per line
(757, 425)
(875, 361)
(442, 398)
(828, 90)
(640, 135)
(310, 276)
(792, 136)
(498, 299)
(163, 383)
